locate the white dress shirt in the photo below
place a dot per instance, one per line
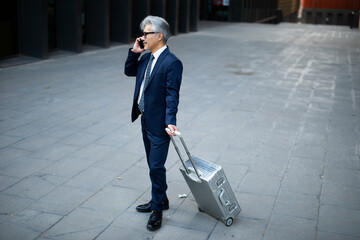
(156, 56)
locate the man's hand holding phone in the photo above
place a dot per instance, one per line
(138, 45)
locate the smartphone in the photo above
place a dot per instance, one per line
(141, 44)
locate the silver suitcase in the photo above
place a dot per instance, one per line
(209, 186)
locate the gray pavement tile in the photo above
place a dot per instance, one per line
(112, 199)
(277, 153)
(131, 220)
(62, 200)
(16, 232)
(24, 166)
(51, 121)
(54, 180)
(94, 152)
(234, 172)
(35, 220)
(339, 220)
(342, 142)
(174, 174)
(312, 139)
(260, 183)
(7, 181)
(342, 159)
(33, 187)
(8, 154)
(27, 130)
(188, 216)
(4, 218)
(270, 166)
(116, 138)
(284, 140)
(119, 161)
(55, 151)
(12, 204)
(287, 227)
(8, 140)
(134, 178)
(102, 128)
(344, 197)
(82, 122)
(60, 131)
(255, 206)
(302, 183)
(34, 143)
(296, 205)
(238, 156)
(79, 139)
(92, 178)
(67, 167)
(173, 192)
(135, 147)
(318, 128)
(321, 235)
(6, 113)
(124, 233)
(242, 228)
(81, 224)
(268, 104)
(179, 233)
(306, 166)
(343, 177)
(306, 151)
(11, 124)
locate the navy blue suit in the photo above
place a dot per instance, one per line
(160, 108)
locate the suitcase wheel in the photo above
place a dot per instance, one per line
(229, 222)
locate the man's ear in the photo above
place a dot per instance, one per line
(160, 36)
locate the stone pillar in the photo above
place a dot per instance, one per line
(140, 9)
(184, 16)
(194, 15)
(172, 15)
(33, 28)
(158, 8)
(69, 25)
(97, 23)
(120, 20)
(236, 11)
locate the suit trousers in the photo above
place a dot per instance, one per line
(156, 148)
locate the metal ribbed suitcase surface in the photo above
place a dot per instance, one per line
(209, 186)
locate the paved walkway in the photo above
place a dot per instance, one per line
(278, 106)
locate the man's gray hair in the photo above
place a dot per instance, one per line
(159, 25)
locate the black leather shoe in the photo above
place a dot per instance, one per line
(145, 208)
(155, 220)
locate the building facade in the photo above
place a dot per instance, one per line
(37, 27)
(261, 11)
(333, 12)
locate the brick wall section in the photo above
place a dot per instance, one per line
(332, 4)
(289, 9)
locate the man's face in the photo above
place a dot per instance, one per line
(151, 39)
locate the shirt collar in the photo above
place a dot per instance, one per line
(158, 52)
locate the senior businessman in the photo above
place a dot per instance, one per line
(156, 98)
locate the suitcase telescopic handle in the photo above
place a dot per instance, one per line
(195, 177)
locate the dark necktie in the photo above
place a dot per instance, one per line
(147, 77)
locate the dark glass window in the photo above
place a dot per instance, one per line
(52, 24)
(9, 40)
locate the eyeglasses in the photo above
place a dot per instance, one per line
(147, 33)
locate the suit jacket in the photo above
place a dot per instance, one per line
(161, 93)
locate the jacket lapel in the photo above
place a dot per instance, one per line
(157, 65)
(141, 78)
